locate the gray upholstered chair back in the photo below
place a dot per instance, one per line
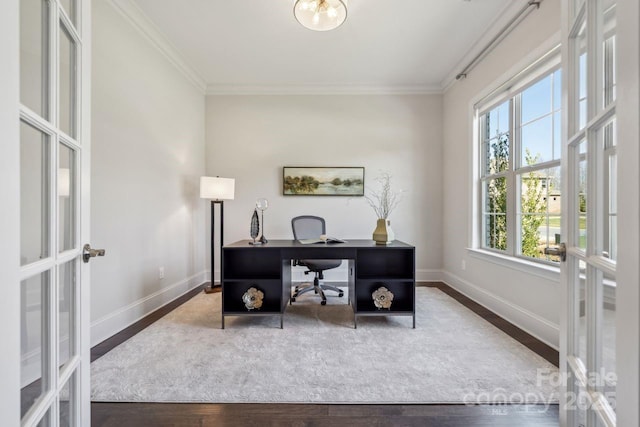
(308, 227)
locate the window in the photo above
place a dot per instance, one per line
(520, 149)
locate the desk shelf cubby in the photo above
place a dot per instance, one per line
(256, 264)
(235, 289)
(396, 263)
(392, 268)
(252, 267)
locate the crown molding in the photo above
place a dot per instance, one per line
(139, 20)
(503, 17)
(322, 89)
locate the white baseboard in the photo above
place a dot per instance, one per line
(115, 322)
(431, 275)
(541, 328)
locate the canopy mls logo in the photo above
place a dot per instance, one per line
(603, 381)
(538, 402)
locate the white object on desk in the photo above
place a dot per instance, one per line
(326, 239)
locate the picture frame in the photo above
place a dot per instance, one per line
(323, 181)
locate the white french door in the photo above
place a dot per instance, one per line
(53, 181)
(590, 167)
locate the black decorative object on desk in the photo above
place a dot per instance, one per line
(255, 228)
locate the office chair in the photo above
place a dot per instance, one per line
(311, 227)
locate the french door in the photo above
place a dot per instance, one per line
(591, 175)
(53, 180)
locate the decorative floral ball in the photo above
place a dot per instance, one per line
(382, 297)
(253, 298)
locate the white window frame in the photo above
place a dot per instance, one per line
(519, 81)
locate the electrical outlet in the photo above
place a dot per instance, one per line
(161, 273)
(464, 265)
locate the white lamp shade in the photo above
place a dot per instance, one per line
(216, 188)
(320, 15)
(64, 183)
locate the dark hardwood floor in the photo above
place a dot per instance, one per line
(245, 414)
(294, 415)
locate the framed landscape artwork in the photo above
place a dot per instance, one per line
(323, 181)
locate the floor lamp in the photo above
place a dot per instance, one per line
(217, 190)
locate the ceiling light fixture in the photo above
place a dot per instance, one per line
(320, 15)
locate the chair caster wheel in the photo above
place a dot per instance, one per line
(315, 292)
(340, 294)
(293, 299)
(323, 303)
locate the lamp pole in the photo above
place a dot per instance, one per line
(212, 289)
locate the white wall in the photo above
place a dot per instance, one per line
(529, 301)
(250, 138)
(148, 147)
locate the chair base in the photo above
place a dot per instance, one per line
(317, 288)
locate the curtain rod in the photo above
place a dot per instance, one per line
(494, 41)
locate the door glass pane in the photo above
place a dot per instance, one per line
(598, 420)
(581, 219)
(67, 399)
(608, 373)
(34, 341)
(46, 421)
(609, 57)
(579, 403)
(66, 198)
(607, 138)
(66, 311)
(69, 7)
(580, 55)
(611, 228)
(582, 404)
(34, 194)
(34, 55)
(581, 315)
(67, 72)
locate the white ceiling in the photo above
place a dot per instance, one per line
(410, 45)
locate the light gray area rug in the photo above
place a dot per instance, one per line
(453, 356)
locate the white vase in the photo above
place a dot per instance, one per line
(383, 234)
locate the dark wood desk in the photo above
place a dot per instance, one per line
(268, 269)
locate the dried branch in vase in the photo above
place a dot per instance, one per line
(384, 200)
